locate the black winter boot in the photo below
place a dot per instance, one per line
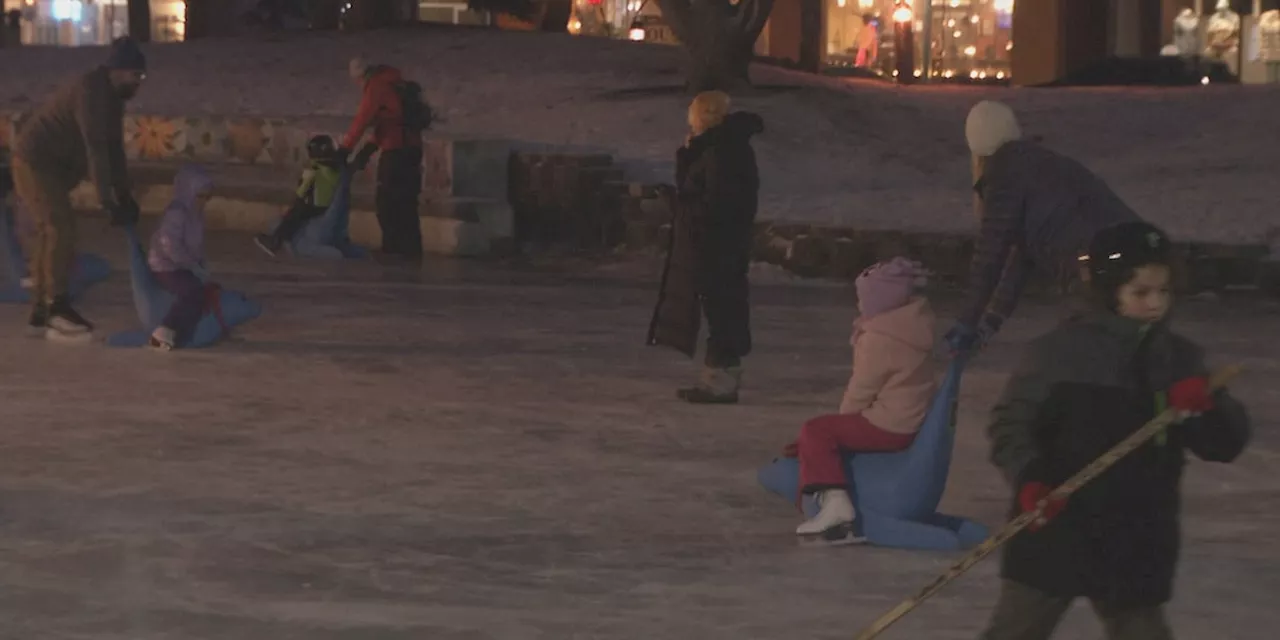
(65, 324)
(39, 320)
(717, 385)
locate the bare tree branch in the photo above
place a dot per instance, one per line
(752, 16)
(678, 14)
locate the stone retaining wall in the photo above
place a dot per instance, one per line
(582, 201)
(567, 201)
(843, 252)
(463, 209)
(463, 168)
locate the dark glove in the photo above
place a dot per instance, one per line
(988, 328)
(1191, 395)
(363, 156)
(123, 213)
(1035, 495)
(340, 156)
(200, 271)
(962, 338)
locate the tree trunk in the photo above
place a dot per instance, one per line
(140, 20)
(324, 14)
(719, 62)
(719, 38)
(411, 13)
(810, 35)
(206, 18)
(554, 15)
(370, 14)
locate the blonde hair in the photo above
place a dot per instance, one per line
(708, 109)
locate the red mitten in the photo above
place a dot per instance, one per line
(791, 450)
(1191, 395)
(1030, 497)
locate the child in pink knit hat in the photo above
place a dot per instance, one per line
(892, 385)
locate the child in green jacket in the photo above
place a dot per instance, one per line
(314, 194)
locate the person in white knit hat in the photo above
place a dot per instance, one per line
(1038, 209)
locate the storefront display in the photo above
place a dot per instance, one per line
(1186, 33)
(1269, 43)
(969, 38)
(1222, 36)
(629, 19)
(96, 22)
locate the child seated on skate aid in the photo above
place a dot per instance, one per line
(176, 256)
(313, 194)
(890, 391)
(315, 190)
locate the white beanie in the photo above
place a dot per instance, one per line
(357, 67)
(990, 124)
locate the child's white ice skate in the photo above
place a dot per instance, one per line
(162, 339)
(834, 525)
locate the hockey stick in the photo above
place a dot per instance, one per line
(1084, 476)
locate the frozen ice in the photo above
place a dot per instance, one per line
(472, 452)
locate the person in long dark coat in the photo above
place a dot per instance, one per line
(715, 201)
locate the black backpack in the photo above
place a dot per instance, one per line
(416, 112)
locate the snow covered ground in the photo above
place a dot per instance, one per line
(1200, 161)
(474, 453)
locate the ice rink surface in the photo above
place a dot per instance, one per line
(480, 453)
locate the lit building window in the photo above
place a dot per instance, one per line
(968, 38)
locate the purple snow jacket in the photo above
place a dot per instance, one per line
(179, 242)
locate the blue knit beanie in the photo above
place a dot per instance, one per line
(126, 55)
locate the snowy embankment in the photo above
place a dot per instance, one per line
(1199, 161)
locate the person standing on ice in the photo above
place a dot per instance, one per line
(1081, 389)
(1037, 209)
(393, 108)
(889, 393)
(176, 256)
(715, 199)
(77, 133)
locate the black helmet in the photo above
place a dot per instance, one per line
(321, 148)
(1115, 252)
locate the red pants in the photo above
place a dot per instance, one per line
(824, 441)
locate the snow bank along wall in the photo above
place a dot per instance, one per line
(469, 186)
(487, 197)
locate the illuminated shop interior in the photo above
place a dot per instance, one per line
(969, 38)
(93, 22)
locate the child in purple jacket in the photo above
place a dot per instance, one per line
(177, 256)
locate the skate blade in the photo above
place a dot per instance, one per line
(265, 249)
(838, 536)
(62, 337)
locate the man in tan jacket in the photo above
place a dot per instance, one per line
(77, 134)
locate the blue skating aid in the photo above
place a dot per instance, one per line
(896, 495)
(327, 236)
(87, 270)
(153, 302)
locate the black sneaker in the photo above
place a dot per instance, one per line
(66, 324)
(39, 320)
(268, 243)
(700, 395)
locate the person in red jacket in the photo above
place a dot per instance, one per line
(382, 109)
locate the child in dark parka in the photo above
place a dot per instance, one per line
(1081, 389)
